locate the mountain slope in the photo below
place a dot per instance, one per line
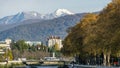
(41, 30)
(19, 17)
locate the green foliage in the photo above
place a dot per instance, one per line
(55, 49)
(1, 58)
(11, 66)
(20, 45)
(8, 55)
(32, 48)
(21, 49)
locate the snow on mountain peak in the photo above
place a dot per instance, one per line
(32, 13)
(62, 12)
(21, 16)
(35, 14)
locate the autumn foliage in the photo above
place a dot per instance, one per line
(96, 35)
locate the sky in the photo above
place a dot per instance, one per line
(11, 7)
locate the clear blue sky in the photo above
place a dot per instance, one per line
(11, 7)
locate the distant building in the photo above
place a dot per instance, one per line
(33, 43)
(5, 45)
(52, 40)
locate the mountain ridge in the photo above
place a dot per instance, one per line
(41, 30)
(21, 16)
(37, 29)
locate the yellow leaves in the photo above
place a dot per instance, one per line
(88, 19)
(56, 46)
(8, 55)
(97, 33)
(116, 1)
(90, 38)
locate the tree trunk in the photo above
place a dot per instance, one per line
(95, 60)
(108, 59)
(104, 60)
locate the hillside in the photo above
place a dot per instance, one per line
(41, 30)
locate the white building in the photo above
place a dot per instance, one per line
(33, 43)
(54, 40)
(4, 45)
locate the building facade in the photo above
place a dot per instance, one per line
(5, 45)
(52, 40)
(33, 43)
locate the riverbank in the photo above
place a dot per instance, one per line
(54, 66)
(12, 65)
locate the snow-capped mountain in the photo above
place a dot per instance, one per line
(58, 13)
(62, 12)
(32, 15)
(21, 16)
(39, 30)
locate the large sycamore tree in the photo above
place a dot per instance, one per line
(76, 42)
(109, 28)
(96, 34)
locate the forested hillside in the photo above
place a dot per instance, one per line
(41, 30)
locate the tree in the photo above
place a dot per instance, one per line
(96, 34)
(21, 45)
(8, 55)
(74, 42)
(56, 47)
(107, 24)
